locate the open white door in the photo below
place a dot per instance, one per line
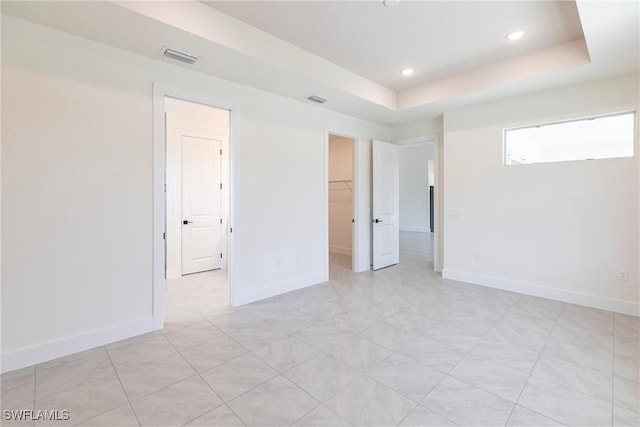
(201, 212)
(386, 235)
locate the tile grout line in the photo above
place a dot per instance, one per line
(307, 413)
(447, 374)
(320, 351)
(215, 409)
(161, 388)
(555, 322)
(34, 407)
(306, 392)
(284, 376)
(126, 395)
(613, 372)
(94, 380)
(579, 365)
(295, 364)
(224, 402)
(427, 395)
(471, 349)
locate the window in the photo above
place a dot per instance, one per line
(600, 137)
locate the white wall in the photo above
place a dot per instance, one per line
(190, 116)
(77, 182)
(561, 230)
(414, 187)
(340, 194)
(418, 129)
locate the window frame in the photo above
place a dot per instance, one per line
(634, 113)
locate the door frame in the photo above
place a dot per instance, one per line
(437, 191)
(160, 91)
(354, 200)
(177, 156)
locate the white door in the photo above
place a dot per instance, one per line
(386, 237)
(201, 211)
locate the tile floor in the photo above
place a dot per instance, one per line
(400, 346)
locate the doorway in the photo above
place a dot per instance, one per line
(417, 198)
(192, 206)
(197, 137)
(341, 189)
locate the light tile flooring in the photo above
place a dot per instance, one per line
(400, 346)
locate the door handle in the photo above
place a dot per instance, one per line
(377, 220)
(185, 222)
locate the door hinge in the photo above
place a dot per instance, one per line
(220, 220)
(221, 186)
(230, 229)
(220, 254)
(164, 236)
(221, 151)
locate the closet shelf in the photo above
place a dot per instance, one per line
(346, 182)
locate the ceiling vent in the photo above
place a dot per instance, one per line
(179, 56)
(316, 98)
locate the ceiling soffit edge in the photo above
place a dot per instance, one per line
(202, 21)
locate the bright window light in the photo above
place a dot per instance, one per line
(600, 137)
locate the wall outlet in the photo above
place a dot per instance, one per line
(623, 275)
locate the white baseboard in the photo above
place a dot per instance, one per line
(173, 273)
(268, 291)
(416, 229)
(340, 250)
(52, 350)
(588, 300)
(363, 265)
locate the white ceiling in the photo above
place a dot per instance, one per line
(351, 52)
(435, 38)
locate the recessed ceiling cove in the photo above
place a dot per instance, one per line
(438, 38)
(352, 52)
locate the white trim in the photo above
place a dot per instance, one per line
(159, 205)
(173, 273)
(417, 140)
(438, 193)
(325, 204)
(160, 91)
(340, 250)
(595, 301)
(268, 291)
(415, 229)
(356, 183)
(52, 350)
(413, 145)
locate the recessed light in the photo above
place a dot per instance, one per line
(515, 35)
(407, 72)
(390, 3)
